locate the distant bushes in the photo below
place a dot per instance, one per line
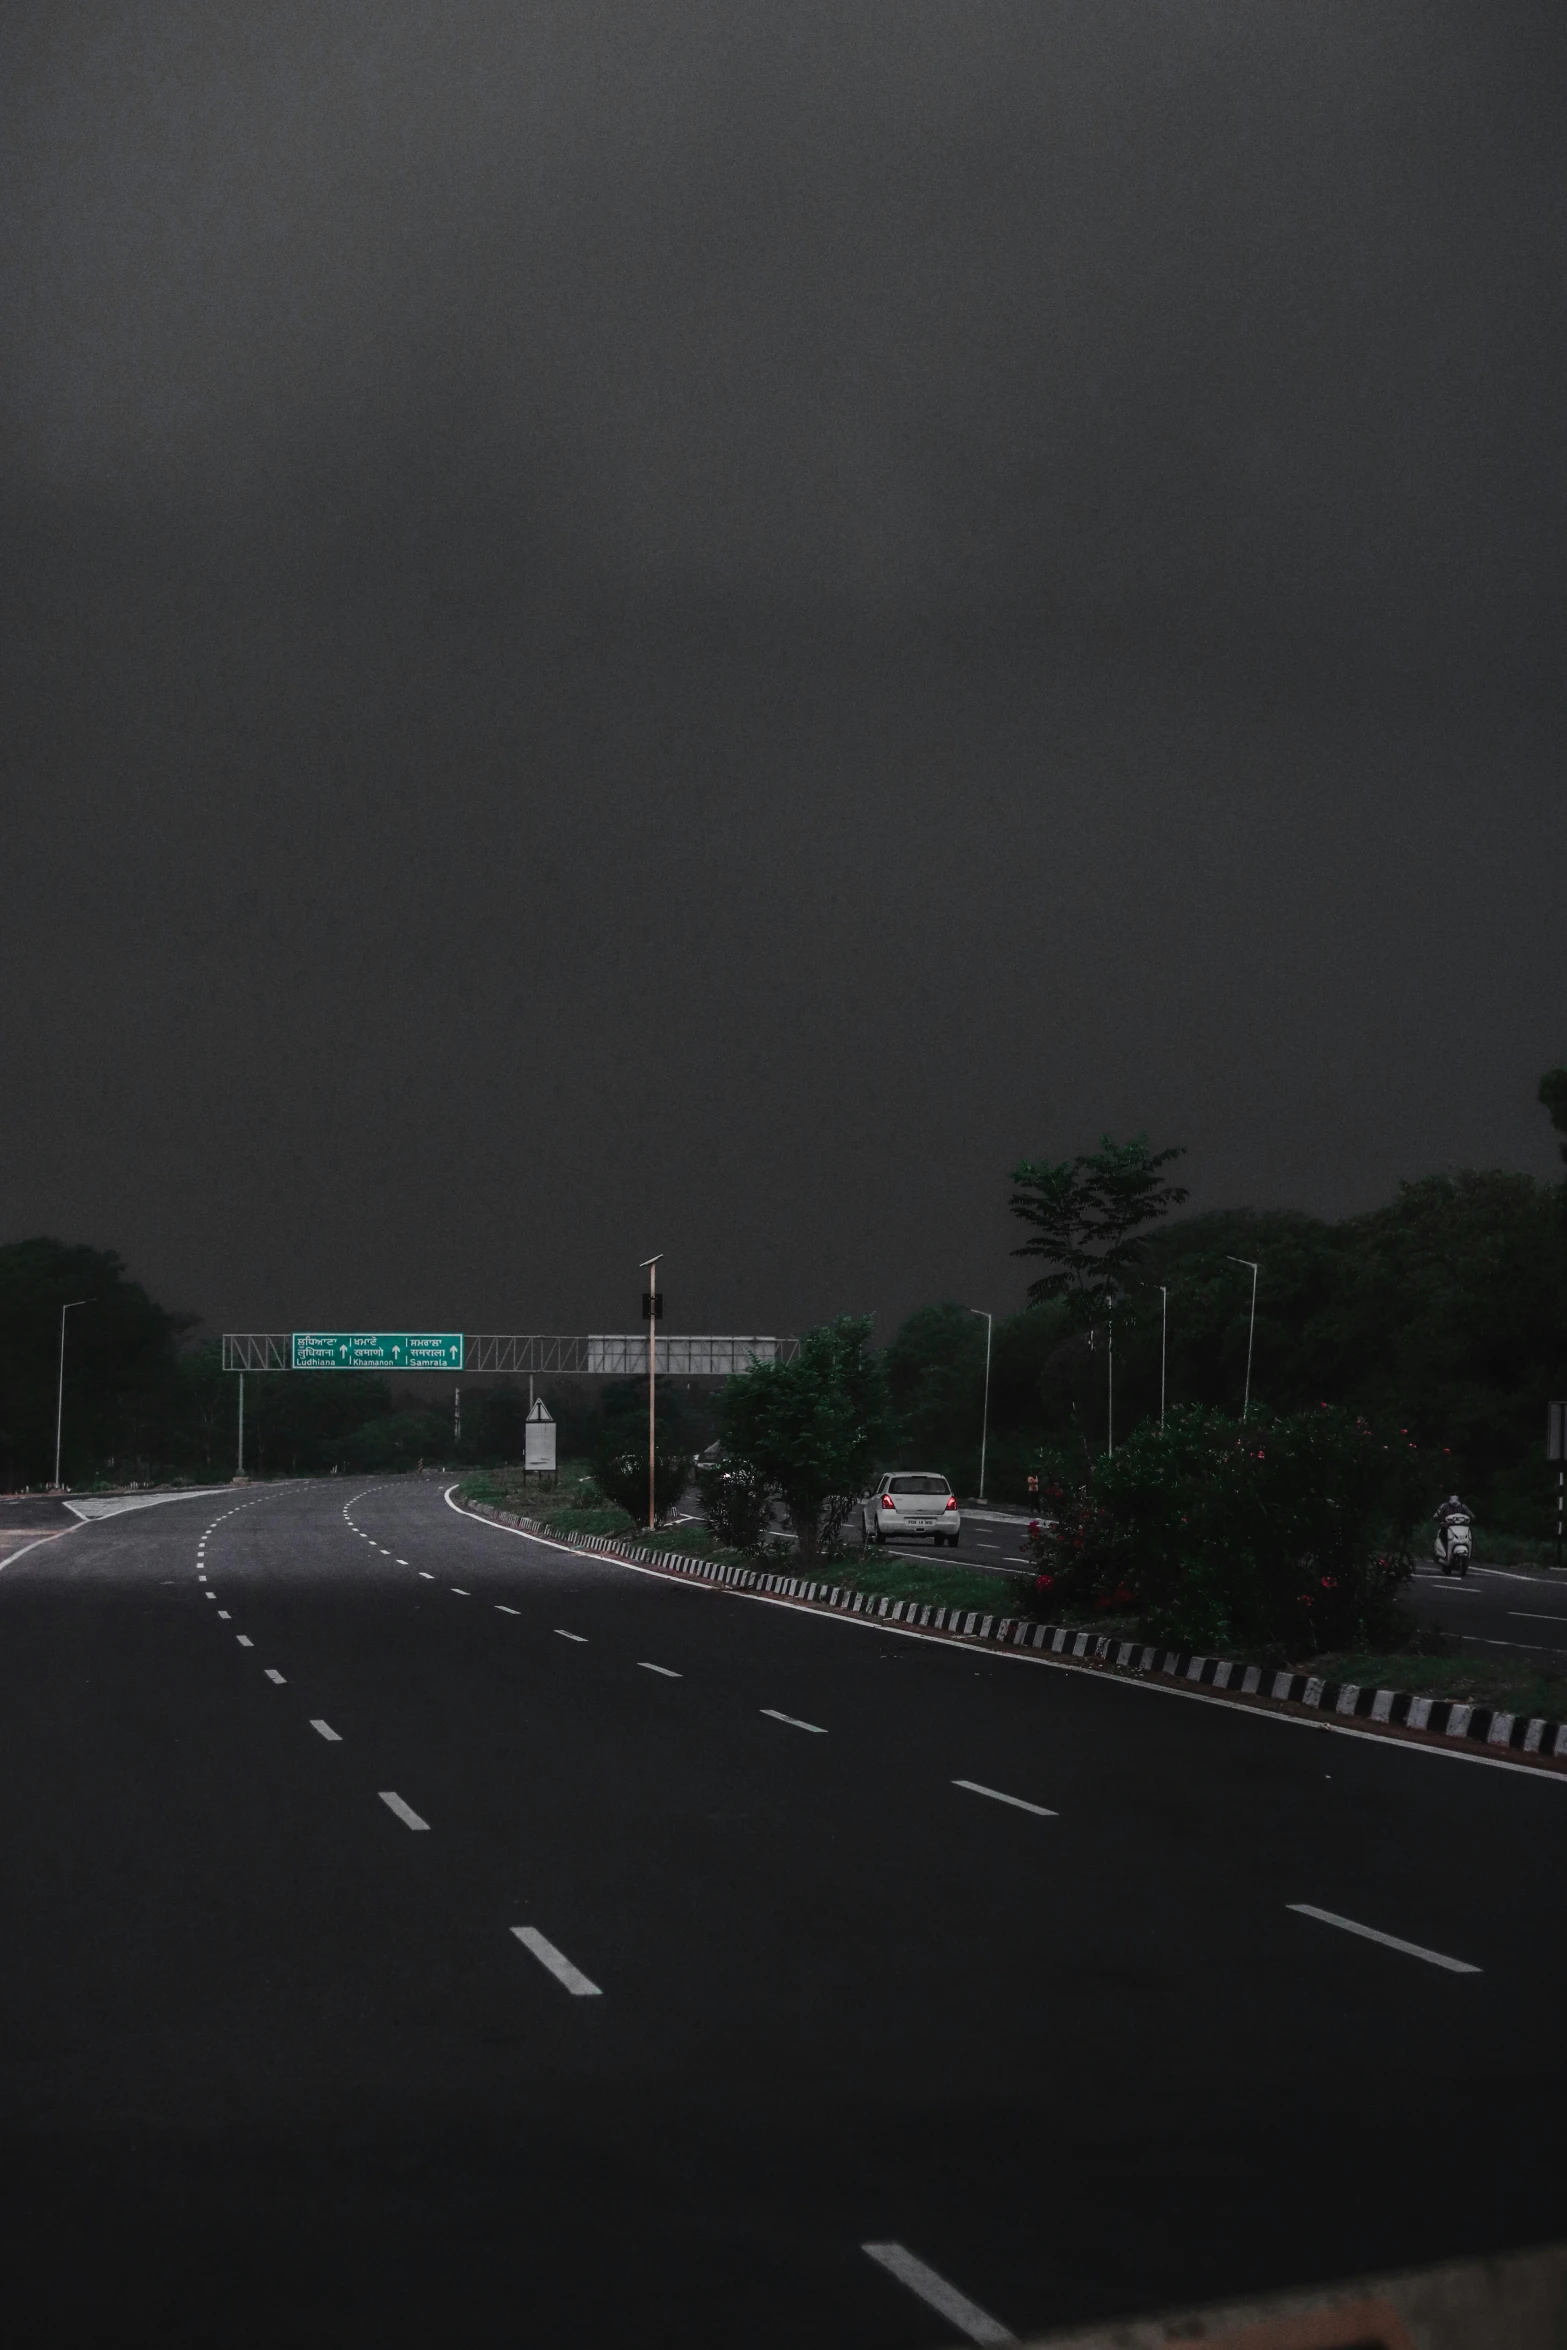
(736, 1502)
(621, 1476)
(1290, 1531)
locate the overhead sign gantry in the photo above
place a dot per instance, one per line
(600, 1355)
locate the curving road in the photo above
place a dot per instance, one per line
(415, 1929)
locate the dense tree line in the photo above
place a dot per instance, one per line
(145, 1401)
(1441, 1316)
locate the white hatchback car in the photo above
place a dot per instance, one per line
(910, 1502)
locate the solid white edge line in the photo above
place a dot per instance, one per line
(935, 2291)
(793, 1720)
(1147, 1686)
(1328, 1917)
(1016, 1801)
(405, 1811)
(74, 1528)
(557, 1962)
(326, 1731)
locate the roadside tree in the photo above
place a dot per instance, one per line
(1287, 1532)
(810, 1428)
(1088, 1214)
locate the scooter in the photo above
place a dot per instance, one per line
(1454, 1542)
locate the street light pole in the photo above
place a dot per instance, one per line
(1251, 1330)
(650, 1267)
(984, 1424)
(1164, 1345)
(1110, 1390)
(59, 1393)
(239, 1466)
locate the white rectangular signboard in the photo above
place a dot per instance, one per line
(538, 1440)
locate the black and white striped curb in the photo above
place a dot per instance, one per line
(1396, 1709)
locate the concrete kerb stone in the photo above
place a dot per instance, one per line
(1398, 1712)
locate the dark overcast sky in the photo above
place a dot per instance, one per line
(696, 626)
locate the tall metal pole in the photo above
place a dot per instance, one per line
(239, 1470)
(1164, 1345)
(1110, 1391)
(984, 1423)
(1251, 1331)
(651, 1265)
(59, 1393)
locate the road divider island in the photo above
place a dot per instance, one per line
(1529, 1741)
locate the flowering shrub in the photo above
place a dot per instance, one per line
(1221, 1535)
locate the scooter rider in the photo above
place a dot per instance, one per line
(1452, 1508)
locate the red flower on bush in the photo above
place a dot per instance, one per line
(1330, 1582)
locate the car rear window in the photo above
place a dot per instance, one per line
(918, 1485)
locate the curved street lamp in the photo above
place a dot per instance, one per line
(984, 1424)
(59, 1393)
(650, 1306)
(1251, 1330)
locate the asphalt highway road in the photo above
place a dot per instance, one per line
(416, 1931)
(1497, 1610)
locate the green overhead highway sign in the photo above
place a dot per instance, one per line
(377, 1350)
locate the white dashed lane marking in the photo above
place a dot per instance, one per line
(224, 1617)
(325, 1730)
(424, 1577)
(558, 1963)
(243, 1641)
(937, 2294)
(1326, 1917)
(459, 1593)
(274, 1675)
(996, 1796)
(792, 1722)
(667, 1671)
(580, 1638)
(502, 1609)
(405, 1812)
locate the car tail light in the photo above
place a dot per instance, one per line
(952, 1501)
(887, 1502)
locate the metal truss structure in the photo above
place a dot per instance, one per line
(257, 1350)
(598, 1356)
